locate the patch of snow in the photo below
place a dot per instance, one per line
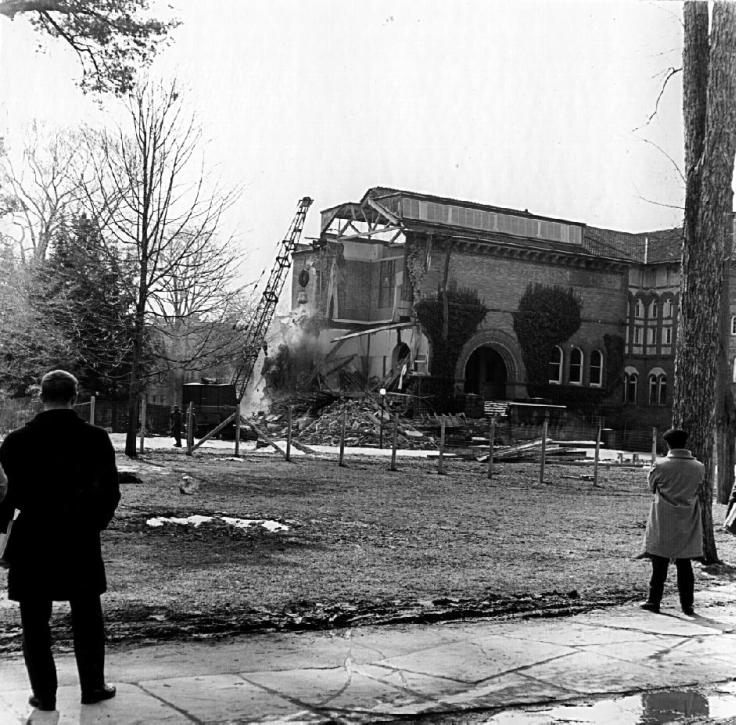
(196, 520)
(245, 523)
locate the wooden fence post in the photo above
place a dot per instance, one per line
(237, 430)
(143, 424)
(597, 455)
(491, 439)
(394, 441)
(441, 459)
(92, 410)
(545, 425)
(341, 459)
(190, 425)
(654, 446)
(289, 415)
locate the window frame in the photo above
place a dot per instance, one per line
(598, 367)
(575, 352)
(558, 364)
(386, 283)
(631, 380)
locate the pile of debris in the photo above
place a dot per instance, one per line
(532, 450)
(362, 419)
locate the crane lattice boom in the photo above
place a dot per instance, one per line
(255, 334)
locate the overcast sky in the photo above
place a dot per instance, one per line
(540, 106)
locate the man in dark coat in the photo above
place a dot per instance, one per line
(176, 423)
(63, 481)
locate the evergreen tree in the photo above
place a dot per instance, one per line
(84, 291)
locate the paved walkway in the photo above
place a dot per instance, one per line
(481, 671)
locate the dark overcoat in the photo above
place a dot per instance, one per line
(674, 529)
(63, 480)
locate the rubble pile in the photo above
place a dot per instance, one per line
(362, 427)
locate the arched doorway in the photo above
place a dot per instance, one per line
(400, 355)
(486, 374)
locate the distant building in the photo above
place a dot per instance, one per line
(376, 258)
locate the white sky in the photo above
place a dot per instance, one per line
(528, 105)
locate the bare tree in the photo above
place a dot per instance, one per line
(197, 310)
(40, 187)
(110, 37)
(149, 197)
(709, 104)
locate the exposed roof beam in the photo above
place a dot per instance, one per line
(383, 211)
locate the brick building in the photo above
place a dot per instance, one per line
(377, 258)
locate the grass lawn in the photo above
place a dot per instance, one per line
(365, 544)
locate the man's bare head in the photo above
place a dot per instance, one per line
(58, 388)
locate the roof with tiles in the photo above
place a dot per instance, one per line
(663, 245)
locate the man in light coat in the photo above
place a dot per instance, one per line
(674, 529)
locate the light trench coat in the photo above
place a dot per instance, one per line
(674, 529)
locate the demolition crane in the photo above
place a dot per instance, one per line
(259, 322)
(255, 334)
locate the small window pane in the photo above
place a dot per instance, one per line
(576, 365)
(596, 367)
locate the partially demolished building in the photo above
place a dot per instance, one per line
(380, 265)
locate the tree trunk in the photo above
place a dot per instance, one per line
(709, 156)
(136, 366)
(725, 428)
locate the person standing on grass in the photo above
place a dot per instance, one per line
(176, 423)
(674, 529)
(63, 481)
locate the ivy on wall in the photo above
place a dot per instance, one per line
(614, 370)
(416, 262)
(465, 311)
(547, 316)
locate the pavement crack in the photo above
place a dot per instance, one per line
(187, 715)
(284, 696)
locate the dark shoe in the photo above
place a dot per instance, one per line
(42, 703)
(688, 611)
(650, 607)
(101, 693)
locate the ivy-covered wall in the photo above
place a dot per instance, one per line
(547, 316)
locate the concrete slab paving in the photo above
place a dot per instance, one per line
(601, 666)
(593, 673)
(132, 706)
(340, 689)
(474, 661)
(218, 698)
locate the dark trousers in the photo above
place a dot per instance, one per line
(88, 630)
(685, 580)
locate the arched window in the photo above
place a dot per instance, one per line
(576, 366)
(652, 314)
(657, 387)
(667, 309)
(733, 324)
(631, 382)
(638, 309)
(596, 368)
(555, 366)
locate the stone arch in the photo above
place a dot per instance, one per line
(507, 348)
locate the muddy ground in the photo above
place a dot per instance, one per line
(363, 545)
